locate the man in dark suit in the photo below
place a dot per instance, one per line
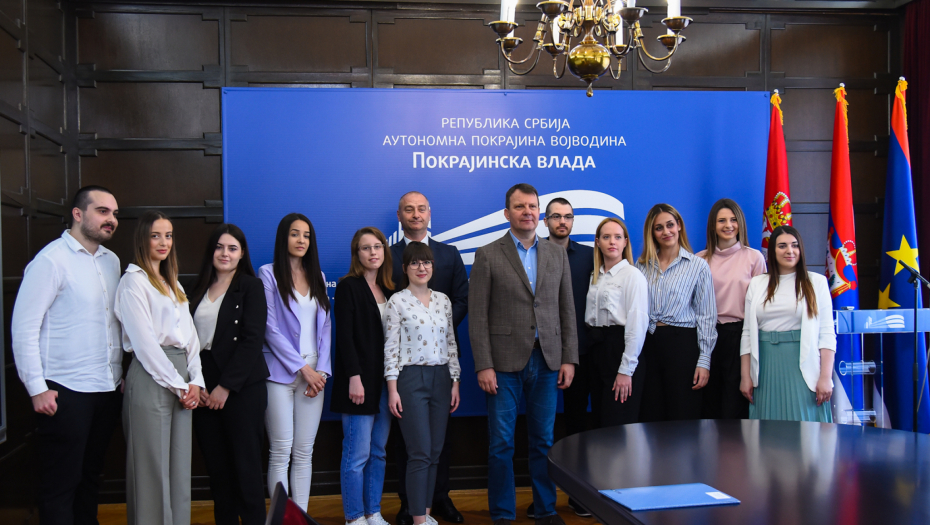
(560, 218)
(449, 278)
(525, 345)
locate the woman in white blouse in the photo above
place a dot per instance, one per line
(421, 366)
(789, 340)
(617, 319)
(164, 380)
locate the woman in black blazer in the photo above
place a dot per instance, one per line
(359, 389)
(229, 311)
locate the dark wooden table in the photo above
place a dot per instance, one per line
(782, 472)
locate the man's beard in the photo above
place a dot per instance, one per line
(555, 234)
(97, 235)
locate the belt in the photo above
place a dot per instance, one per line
(779, 337)
(536, 345)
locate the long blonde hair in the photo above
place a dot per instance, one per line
(598, 258)
(168, 268)
(741, 236)
(650, 253)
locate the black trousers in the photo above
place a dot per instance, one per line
(575, 398)
(231, 442)
(441, 489)
(72, 446)
(607, 345)
(671, 355)
(722, 398)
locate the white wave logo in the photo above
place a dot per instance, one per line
(473, 235)
(892, 322)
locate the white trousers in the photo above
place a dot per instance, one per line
(292, 420)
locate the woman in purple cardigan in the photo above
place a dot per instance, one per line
(297, 351)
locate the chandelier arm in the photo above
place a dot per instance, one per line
(567, 45)
(642, 46)
(668, 64)
(518, 62)
(515, 72)
(619, 70)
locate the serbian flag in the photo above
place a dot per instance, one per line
(777, 199)
(841, 266)
(899, 245)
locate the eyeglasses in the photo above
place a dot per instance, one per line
(372, 248)
(418, 264)
(557, 217)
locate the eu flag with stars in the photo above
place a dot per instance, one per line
(899, 245)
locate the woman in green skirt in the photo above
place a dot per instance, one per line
(789, 340)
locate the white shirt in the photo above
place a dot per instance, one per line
(621, 297)
(205, 319)
(784, 312)
(407, 240)
(63, 327)
(152, 320)
(416, 335)
(306, 315)
(817, 334)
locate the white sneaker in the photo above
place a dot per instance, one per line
(431, 520)
(358, 521)
(377, 519)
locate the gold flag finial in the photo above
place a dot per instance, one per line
(776, 101)
(899, 93)
(840, 94)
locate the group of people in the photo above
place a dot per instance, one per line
(723, 333)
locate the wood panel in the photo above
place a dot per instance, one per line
(11, 70)
(830, 50)
(47, 170)
(298, 43)
(46, 93)
(451, 46)
(153, 173)
(149, 110)
(148, 41)
(45, 23)
(12, 157)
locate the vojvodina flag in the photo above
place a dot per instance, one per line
(777, 198)
(841, 264)
(899, 245)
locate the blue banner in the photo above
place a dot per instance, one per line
(343, 157)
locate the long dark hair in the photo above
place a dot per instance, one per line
(802, 282)
(310, 261)
(415, 251)
(741, 236)
(141, 242)
(356, 269)
(208, 272)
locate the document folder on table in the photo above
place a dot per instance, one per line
(669, 497)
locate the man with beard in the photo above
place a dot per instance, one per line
(66, 345)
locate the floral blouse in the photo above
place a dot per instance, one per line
(417, 335)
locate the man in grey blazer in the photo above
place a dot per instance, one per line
(524, 342)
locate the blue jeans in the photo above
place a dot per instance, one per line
(539, 385)
(362, 471)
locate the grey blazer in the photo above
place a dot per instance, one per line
(503, 313)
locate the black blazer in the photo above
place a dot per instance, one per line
(235, 359)
(449, 276)
(359, 346)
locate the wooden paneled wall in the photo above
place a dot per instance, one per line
(128, 96)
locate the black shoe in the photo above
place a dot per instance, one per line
(555, 519)
(403, 516)
(530, 512)
(579, 510)
(501, 521)
(445, 509)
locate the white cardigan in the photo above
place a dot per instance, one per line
(816, 334)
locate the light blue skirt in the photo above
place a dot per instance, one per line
(782, 393)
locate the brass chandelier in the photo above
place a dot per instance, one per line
(592, 20)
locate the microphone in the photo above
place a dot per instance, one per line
(915, 275)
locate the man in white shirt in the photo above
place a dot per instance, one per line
(66, 345)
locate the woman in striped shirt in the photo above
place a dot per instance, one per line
(682, 319)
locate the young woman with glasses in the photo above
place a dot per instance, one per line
(359, 390)
(421, 367)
